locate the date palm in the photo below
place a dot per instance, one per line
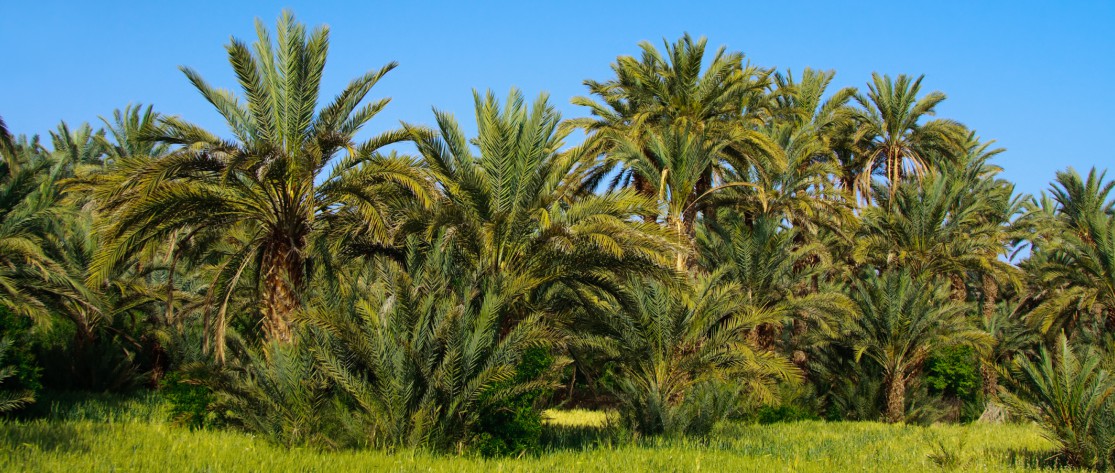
(933, 228)
(894, 135)
(901, 319)
(1076, 258)
(273, 179)
(669, 342)
(664, 93)
(516, 213)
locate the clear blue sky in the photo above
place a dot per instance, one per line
(1037, 77)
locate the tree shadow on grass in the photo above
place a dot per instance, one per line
(1026, 458)
(577, 437)
(43, 436)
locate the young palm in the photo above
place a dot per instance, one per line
(1072, 397)
(422, 350)
(670, 342)
(893, 135)
(272, 180)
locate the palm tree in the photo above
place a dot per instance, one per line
(1072, 397)
(30, 278)
(1075, 258)
(421, 349)
(671, 342)
(776, 272)
(272, 179)
(516, 213)
(664, 94)
(901, 319)
(893, 135)
(933, 229)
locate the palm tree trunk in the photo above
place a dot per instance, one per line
(990, 296)
(896, 397)
(645, 188)
(282, 268)
(959, 289)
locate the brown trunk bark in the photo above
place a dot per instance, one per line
(645, 188)
(896, 398)
(990, 296)
(282, 268)
(959, 289)
(990, 379)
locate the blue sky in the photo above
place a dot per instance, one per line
(1037, 77)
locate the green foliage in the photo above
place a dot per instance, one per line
(515, 425)
(11, 397)
(1072, 397)
(425, 354)
(19, 360)
(683, 357)
(953, 372)
(190, 402)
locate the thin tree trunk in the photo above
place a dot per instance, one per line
(896, 397)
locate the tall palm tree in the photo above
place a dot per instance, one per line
(894, 136)
(901, 319)
(273, 178)
(664, 93)
(516, 213)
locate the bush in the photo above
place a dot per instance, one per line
(953, 373)
(25, 374)
(786, 413)
(515, 426)
(190, 401)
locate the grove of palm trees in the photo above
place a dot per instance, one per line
(713, 244)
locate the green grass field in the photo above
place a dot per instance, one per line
(131, 436)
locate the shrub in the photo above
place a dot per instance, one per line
(953, 373)
(189, 400)
(20, 373)
(515, 426)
